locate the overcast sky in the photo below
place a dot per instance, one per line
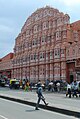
(13, 14)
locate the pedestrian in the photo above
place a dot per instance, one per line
(23, 83)
(79, 88)
(40, 97)
(27, 86)
(68, 90)
(58, 86)
(75, 88)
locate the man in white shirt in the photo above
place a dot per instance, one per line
(68, 90)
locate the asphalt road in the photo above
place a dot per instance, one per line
(14, 110)
(54, 99)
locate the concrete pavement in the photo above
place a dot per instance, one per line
(57, 102)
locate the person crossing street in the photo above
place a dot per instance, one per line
(40, 96)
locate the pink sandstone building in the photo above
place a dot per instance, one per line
(48, 47)
(6, 65)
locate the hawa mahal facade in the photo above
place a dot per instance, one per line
(48, 47)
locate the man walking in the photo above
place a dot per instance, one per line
(40, 97)
(75, 88)
(68, 90)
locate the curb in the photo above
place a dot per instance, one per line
(55, 109)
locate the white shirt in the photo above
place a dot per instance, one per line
(68, 86)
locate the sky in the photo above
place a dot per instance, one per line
(14, 13)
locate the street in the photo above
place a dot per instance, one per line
(54, 99)
(13, 110)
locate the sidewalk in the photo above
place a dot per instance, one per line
(57, 102)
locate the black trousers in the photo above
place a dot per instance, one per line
(39, 99)
(69, 92)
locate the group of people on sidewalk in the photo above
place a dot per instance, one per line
(73, 89)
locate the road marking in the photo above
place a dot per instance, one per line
(3, 117)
